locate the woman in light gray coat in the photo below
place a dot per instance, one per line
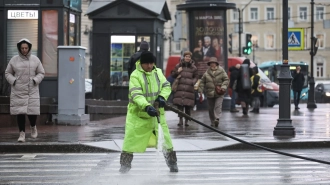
(24, 73)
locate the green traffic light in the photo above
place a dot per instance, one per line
(249, 44)
(249, 51)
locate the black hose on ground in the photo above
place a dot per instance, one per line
(242, 141)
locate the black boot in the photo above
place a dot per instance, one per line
(125, 162)
(180, 122)
(244, 111)
(170, 158)
(186, 122)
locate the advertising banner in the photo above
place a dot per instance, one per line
(208, 38)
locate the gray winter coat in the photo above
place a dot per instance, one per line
(24, 74)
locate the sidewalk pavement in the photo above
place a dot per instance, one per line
(312, 130)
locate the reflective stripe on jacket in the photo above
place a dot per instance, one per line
(255, 84)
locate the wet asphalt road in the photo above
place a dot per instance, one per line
(195, 168)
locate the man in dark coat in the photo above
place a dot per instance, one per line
(234, 70)
(297, 85)
(244, 94)
(144, 46)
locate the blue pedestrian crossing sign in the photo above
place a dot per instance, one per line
(296, 40)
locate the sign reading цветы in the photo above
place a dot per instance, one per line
(22, 14)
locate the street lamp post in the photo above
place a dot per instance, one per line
(284, 123)
(311, 97)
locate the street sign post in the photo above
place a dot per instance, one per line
(296, 40)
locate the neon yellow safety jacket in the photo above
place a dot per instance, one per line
(256, 88)
(144, 88)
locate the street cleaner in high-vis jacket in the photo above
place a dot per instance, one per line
(147, 85)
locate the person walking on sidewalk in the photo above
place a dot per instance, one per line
(144, 46)
(147, 85)
(256, 90)
(243, 87)
(184, 97)
(297, 86)
(215, 75)
(234, 70)
(24, 73)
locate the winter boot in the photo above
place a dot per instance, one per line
(170, 158)
(186, 122)
(245, 111)
(21, 137)
(180, 122)
(34, 132)
(216, 122)
(125, 162)
(256, 111)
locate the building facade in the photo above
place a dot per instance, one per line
(264, 21)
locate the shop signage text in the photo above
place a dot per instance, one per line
(22, 14)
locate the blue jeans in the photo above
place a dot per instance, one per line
(296, 98)
(233, 100)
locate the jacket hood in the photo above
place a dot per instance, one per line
(24, 40)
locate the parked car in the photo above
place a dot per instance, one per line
(88, 88)
(322, 92)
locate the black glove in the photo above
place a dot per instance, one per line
(161, 101)
(151, 111)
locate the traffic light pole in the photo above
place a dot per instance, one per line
(240, 28)
(239, 32)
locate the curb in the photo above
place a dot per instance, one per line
(275, 145)
(51, 148)
(83, 148)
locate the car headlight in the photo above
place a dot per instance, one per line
(304, 94)
(327, 93)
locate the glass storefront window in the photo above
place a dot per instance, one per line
(73, 30)
(65, 28)
(140, 39)
(18, 29)
(49, 41)
(121, 49)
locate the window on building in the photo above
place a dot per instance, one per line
(270, 13)
(289, 13)
(178, 46)
(254, 40)
(270, 41)
(319, 67)
(254, 14)
(320, 41)
(235, 15)
(303, 13)
(235, 41)
(319, 13)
